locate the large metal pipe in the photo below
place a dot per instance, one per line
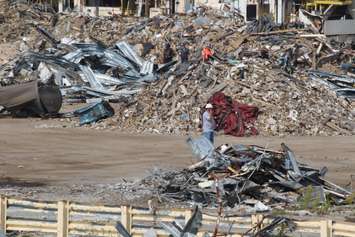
(31, 98)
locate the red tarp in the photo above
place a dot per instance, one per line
(233, 117)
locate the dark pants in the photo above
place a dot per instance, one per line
(209, 136)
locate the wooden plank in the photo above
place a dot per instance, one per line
(343, 233)
(126, 218)
(188, 215)
(30, 229)
(236, 225)
(91, 227)
(276, 32)
(349, 227)
(152, 218)
(173, 213)
(93, 233)
(330, 227)
(308, 224)
(85, 216)
(306, 230)
(87, 208)
(255, 222)
(3, 209)
(31, 210)
(43, 205)
(63, 219)
(325, 230)
(337, 128)
(143, 230)
(31, 223)
(140, 235)
(228, 219)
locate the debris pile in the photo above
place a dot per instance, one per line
(249, 178)
(251, 68)
(257, 64)
(20, 21)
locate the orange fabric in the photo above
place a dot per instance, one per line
(206, 53)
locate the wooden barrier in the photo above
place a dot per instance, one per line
(65, 218)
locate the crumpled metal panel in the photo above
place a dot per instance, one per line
(108, 80)
(49, 59)
(348, 93)
(90, 76)
(114, 59)
(201, 147)
(341, 84)
(128, 51)
(85, 51)
(147, 68)
(291, 162)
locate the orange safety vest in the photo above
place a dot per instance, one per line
(206, 53)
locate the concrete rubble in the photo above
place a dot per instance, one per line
(278, 69)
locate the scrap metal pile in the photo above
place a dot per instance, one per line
(88, 70)
(246, 177)
(267, 69)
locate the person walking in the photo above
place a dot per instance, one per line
(208, 123)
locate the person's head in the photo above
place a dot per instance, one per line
(209, 108)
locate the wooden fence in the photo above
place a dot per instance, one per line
(64, 218)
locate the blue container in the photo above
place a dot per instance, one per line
(94, 112)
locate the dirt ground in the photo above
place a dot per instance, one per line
(58, 156)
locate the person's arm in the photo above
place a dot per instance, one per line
(209, 117)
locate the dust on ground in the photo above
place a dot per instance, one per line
(61, 157)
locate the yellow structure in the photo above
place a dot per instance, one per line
(322, 4)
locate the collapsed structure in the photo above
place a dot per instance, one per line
(247, 178)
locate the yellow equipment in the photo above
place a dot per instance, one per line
(322, 4)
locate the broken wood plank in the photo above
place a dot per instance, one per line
(337, 128)
(276, 32)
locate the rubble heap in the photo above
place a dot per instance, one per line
(247, 177)
(260, 64)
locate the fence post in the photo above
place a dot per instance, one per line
(255, 222)
(3, 209)
(326, 228)
(260, 219)
(188, 214)
(126, 218)
(63, 219)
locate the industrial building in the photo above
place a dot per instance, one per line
(282, 11)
